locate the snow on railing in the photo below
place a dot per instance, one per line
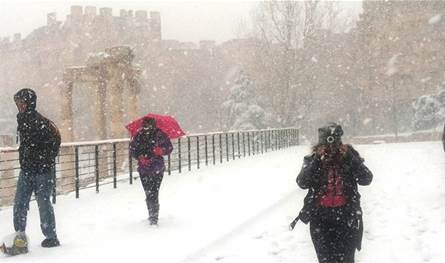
(91, 164)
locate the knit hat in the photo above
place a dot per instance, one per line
(28, 96)
(331, 133)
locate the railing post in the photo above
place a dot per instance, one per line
(271, 140)
(291, 137)
(298, 136)
(189, 154)
(169, 167)
(233, 146)
(253, 143)
(206, 150)
(287, 138)
(220, 148)
(283, 136)
(96, 166)
(291, 132)
(227, 146)
(276, 140)
(114, 166)
(265, 140)
(179, 156)
(213, 149)
(269, 135)
(197, 151)
(244, 144)
(130, 167)
(248, 143)
(284, 139)
(256, 142)
(295, 137)
(262, 141)
(239, 148)
(76, 152)
(259, 142)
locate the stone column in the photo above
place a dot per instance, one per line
(134, 88)
(116, 85)
(66, 154)
(100, 119)
(66, 130)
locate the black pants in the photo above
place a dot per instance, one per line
(333, 239)
(151, 184)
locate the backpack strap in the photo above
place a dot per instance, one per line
(293, 223)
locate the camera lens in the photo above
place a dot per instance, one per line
(330, 139)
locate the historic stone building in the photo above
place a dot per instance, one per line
(169, 68)
(393, 55)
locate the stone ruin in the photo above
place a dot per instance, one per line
(107, 75)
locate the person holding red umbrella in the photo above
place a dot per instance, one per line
(148, 147)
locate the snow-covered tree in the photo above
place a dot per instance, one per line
(242, 108)
(430, 110)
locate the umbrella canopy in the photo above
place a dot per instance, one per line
(165, 123)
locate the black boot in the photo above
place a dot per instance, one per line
(50, 242)
(153, 212)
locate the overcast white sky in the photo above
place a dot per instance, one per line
(182, 20)
(191, 20)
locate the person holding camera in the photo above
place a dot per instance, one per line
(331, 174)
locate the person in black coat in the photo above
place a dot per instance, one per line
(148, 147)
(39, 145)
(331, 174)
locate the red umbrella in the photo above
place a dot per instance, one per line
(165, 123)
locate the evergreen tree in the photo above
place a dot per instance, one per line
(242, 108)
(430, 110)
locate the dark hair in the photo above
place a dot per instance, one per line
(149, 121)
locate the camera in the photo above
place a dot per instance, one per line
(330, 139)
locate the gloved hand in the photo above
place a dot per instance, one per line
(143, 161)
(158, 151)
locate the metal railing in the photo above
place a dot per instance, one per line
(94, 164)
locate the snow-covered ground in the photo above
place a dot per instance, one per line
(240, 211)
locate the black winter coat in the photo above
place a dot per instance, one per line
(144, 143)
(355, 172)
(39, 142)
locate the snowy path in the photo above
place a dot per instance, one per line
(404, 212)
(240, 211)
